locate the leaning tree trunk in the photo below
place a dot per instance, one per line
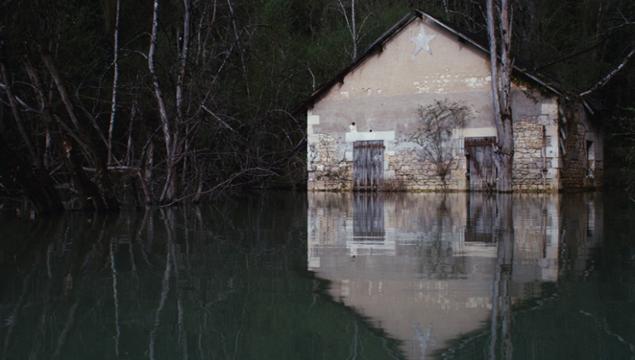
(169, 190)
(501, 69)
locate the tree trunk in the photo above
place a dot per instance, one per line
(169, 190)
(115, 82)
(351, 24)
(501, 69)
(104, 190)
(183, 58)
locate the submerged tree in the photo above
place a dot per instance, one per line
(434, 134)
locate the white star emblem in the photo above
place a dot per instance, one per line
(422, 42)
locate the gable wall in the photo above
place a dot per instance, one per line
(381, 97)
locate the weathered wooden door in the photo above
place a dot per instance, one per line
(368, 165)
(481, 170)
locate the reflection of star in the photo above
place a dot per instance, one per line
(422, 42)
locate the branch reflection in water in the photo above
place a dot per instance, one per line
(227, 281)
(342, 276)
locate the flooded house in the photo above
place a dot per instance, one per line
(364, 127)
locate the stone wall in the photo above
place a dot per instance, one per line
(330, 167)
(410, 171)
(530, 158)
(405, 169)
(582, 166)
(327, 166)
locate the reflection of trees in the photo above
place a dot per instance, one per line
(209, 282)
(501, 291)
(436, 255)
(588, 312)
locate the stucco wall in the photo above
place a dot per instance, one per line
(420, 65)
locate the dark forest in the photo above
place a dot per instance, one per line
(113, 103)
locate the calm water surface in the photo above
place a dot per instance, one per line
(326, 276)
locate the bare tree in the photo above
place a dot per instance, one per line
(499, 31)
(434, 134)
(169, 190)
(352, 26)
(16, 114)
(610, 75)
(115, 81)
(101, 192)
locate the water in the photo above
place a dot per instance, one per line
(326, 276)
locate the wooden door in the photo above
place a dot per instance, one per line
(481, 170)
(368, 165)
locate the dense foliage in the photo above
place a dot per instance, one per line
(231, 72)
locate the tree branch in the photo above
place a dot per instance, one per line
(610, 75)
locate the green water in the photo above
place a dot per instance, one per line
(325, 276)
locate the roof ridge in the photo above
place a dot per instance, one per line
(396, 29)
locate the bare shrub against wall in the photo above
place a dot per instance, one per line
(434, 134)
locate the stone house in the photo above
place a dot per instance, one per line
(360, 125)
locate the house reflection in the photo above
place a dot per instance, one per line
(423, 266)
